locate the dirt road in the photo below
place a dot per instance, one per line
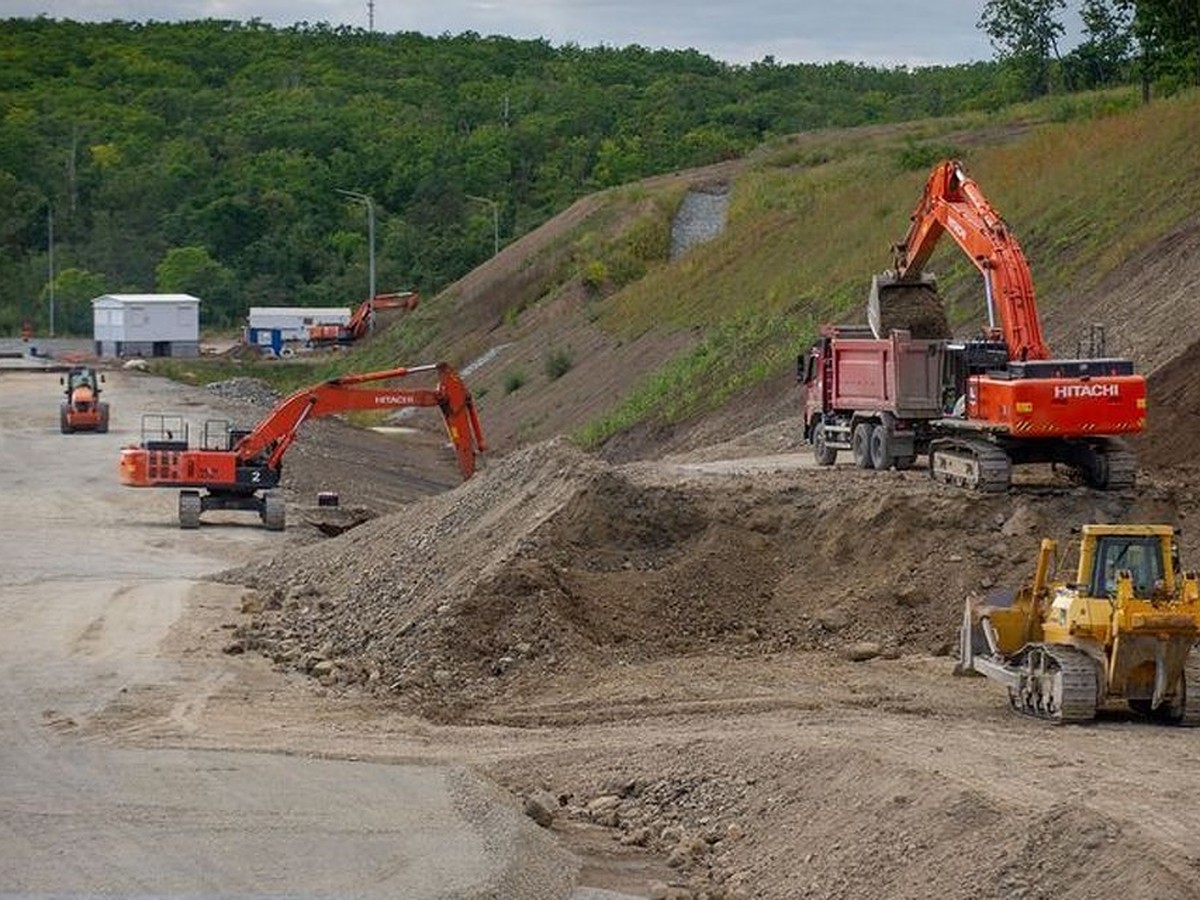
(107, 620)
(656, 652)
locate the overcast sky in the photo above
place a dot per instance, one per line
(878, 32)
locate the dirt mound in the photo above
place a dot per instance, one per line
(1174, 413)
(553, 565)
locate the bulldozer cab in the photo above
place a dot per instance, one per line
(1141, 556)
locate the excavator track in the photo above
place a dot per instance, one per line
(970, 463)
(1057, 684)
(1119, 464)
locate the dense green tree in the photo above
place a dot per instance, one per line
(191, 270)
(1025, 33)
(1103, 56)
(1169, 34)
(233, 138)
(68, 300)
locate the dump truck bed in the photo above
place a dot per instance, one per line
(897, 374)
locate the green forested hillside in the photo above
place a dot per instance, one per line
(208, 156)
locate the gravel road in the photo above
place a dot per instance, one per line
(106, 612)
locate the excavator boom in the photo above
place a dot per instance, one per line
(953, 203)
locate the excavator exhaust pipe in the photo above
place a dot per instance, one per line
(912, 306)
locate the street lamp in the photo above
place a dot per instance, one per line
(495, 220)
(50, 258)
(364, 199)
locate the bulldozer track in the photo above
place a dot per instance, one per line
(1191, 692)
(1058, 684)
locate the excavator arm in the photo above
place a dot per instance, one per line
(953, 203)
(272, 437)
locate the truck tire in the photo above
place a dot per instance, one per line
(102, 424)
(881, 448)
(64, 424)
(860, 444)
(822, 452)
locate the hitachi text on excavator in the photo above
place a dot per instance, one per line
(904, 388)
(236, 469)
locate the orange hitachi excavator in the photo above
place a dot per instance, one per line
(240, 470)
(1012, 402)
(362, 320)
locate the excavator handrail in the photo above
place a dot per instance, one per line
(275, 433)
(952, 202)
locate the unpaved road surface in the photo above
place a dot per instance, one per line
(656, 652)
(106, 613)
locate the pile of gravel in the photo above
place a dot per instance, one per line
(247, 390)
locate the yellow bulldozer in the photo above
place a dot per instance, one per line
(1118, 634)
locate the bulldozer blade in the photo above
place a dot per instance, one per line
(912, 306)
(972, 640)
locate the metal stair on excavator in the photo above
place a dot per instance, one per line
(971, 463)
(1071, 676)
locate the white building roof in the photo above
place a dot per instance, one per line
(299, 311)
(146, 298)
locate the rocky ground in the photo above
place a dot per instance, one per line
(724, 672)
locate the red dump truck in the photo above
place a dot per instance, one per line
(876, 397)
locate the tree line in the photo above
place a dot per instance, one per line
(247, 164)
(1150, 42)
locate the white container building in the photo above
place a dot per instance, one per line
(146, 325)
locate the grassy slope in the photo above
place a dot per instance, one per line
(1085, 183)
(1093, 182)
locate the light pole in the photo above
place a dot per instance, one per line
(495, 220)
(50, 258)
(363, 198)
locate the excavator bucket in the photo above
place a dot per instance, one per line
(912, 306)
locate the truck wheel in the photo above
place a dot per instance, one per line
(881, 448)
(822, 452)
(102, 425)
(860, 444)
(64, 425)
